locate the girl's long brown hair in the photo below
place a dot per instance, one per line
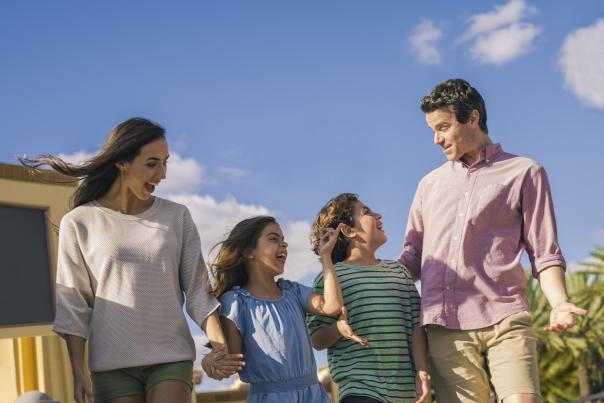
(228, 269)
(98, 173)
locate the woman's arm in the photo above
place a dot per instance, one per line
(331, 301)
(82, 388)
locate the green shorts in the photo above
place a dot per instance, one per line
(107, 385)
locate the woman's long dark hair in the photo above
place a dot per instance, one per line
(228, 268)
(98, 173)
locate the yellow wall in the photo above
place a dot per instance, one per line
(32, 357)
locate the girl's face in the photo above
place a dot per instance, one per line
(270, 252)
(143, 174)
(368, 225)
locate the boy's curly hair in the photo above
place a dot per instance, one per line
(338, 210)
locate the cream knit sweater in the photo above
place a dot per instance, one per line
(122, 281)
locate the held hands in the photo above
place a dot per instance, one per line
(346, 331)
(327, 240)
(562, 317)
(82, 387)
(422, 387)
(219, 364)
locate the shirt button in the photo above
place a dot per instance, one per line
(449, 287)
(460, 214)
(465, 193)
(455, 237)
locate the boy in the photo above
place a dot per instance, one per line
(382, 306)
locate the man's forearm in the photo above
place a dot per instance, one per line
(553, 285)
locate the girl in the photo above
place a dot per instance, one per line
(264, 318)
(126, 261)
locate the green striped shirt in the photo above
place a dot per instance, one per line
(383, 307)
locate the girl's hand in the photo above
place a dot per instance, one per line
(219, 364)
(327, 240)
(346, 331)
(422, 387)
(82, 387)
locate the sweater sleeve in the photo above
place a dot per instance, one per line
(74, 293)
(194, 274)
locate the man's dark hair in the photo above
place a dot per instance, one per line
(458, 97)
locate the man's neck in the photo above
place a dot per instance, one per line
(471, 157)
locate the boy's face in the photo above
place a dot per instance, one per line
(368, 225)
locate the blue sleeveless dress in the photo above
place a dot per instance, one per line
(278, 355)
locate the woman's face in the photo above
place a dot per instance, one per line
(270, 252)
(146, 171)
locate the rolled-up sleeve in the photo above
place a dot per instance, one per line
(539, 222)
(74, 294)
(194, 274)
(411, 257)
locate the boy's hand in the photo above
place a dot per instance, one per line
(327, 240)
(218, 364)
(422, 387)
(346, 331)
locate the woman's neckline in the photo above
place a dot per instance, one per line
(143, 214)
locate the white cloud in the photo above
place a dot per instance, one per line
(504, 45)
(423, 43)
(510, 13)
(184, 175)
(76, 158)
(301, 261)
(582, 63)
(502, 35)
(214, 219)
(232, 172)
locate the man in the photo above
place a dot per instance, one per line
(469, 223)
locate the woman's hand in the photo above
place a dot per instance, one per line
(219, 364)
(82, 387)
(346, 331)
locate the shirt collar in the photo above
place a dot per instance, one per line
(487, 154)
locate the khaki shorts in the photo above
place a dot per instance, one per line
(462, 360)
(133, 381)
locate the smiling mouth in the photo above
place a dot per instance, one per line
(281, 257)
(150, 186)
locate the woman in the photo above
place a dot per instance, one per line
(127, 261)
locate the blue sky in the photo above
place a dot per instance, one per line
(274, 107)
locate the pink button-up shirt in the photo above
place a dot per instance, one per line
(467, 229)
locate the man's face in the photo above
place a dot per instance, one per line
(456, 139)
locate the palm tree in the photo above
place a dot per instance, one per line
(571, 362)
